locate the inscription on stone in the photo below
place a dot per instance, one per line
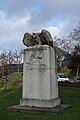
(37, 57)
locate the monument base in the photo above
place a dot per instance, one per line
(40, 103)
(56, 109)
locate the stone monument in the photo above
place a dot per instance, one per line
(40, 87)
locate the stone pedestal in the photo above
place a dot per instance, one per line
(40, 87)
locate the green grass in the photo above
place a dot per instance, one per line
(16, 75)
(68, 95)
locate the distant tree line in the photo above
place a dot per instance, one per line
(9, 57)
(71, 44)
(68, 43)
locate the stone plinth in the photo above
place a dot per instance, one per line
(40, 87)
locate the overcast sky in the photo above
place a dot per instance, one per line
(20, 16)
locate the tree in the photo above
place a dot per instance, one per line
(10, 57)
(62, 43)
(68, 44)
(5, 70)
(7, 58)
(74, 60)
(74, 37)
(3, 59)
(18, 58)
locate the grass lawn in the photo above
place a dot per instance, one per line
(68, 95)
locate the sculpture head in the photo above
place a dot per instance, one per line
(38, 39)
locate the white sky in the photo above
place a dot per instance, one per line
(20, 16)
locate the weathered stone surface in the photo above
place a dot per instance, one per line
(38, 39)
(56, 109)
(40, 87)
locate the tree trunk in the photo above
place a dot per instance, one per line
(77, 72)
